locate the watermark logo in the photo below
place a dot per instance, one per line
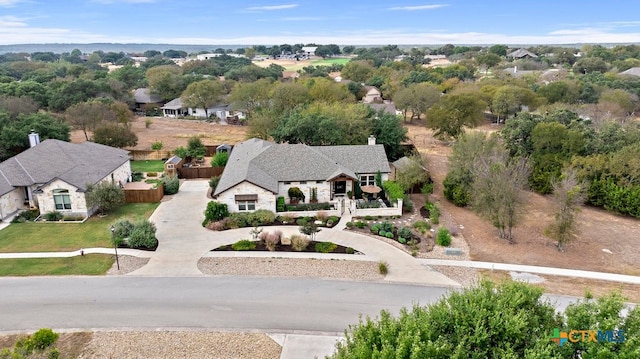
(596, 336)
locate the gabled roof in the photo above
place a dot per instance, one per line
(388, 107)
(520, 53)
(76, 164)
(265, 163)
(634, 71)
(144, 95)
(174, 104)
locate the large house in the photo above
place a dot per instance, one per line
(176, 109)
(53, 176)
(259, 171)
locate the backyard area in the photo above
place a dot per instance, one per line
(147, 166)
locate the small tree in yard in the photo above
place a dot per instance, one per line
(568, 196)
(310, 229)
(104, 196)
(215, 211)
(220, 159)
(157, 146)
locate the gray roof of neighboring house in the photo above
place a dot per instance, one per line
(634, 71)
(519, 53)
(265, 163)
(76, 164)
(144, 95)
(174, 104)
(388, 107)
(401, 163)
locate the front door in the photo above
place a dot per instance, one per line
(340, 187)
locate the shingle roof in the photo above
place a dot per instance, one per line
(388, 107)
(174, 104)
(144, 95)
(635, 71)
(76, 164)
(519, 53)
(265, 163)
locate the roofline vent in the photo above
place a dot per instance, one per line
(34, 139)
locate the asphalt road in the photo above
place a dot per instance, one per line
(242, 303)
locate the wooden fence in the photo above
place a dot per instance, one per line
(151, 195)
(143, 155)
(199, 172)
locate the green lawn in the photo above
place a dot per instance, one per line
(147, 166)
(330, 62)
(91, 264)
(63, 237)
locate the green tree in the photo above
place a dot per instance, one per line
(286, 96)
(14, 134)
(389, 131)
(359, 71)
(489, 60)
(115, 135)
(568, 196)
(416, 98)
(325, 90)
(196, 148)
(455, 111)
(104, 196)
(413, 173)
(157, 146)
(86, 116)
(251, 96)
(500, 50)
(166, 80)
(202, 94)
(486, 321)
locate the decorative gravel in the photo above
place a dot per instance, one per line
(127, 265)
(292, 267)
(181, 345)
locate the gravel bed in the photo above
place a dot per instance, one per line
(181, 344)
(127, 265)
(290, 267)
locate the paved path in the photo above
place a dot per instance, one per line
(534, 269)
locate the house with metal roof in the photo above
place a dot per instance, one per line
(53, 175)
(259, 171)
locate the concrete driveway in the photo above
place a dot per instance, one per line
(183, 241)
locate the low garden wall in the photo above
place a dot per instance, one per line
(396, 210)
(296, 214)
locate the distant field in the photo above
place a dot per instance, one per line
(293, 65)
(330, 62)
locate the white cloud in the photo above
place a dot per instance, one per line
(10, 3)
(11, 21)
(418, 7)
(272, 7)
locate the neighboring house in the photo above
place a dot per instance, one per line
(372, 95)
(175, 109)
(146, 100)
(54, 175)
(521, 54)
(259, 171)
(514, 72)
(386, 106)
(634, 71)
(309, 50)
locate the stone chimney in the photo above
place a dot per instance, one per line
(372, 140)
(34, 138)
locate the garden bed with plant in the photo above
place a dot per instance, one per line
(309, 247)
(218, 218)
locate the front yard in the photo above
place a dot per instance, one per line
(91, 264)
(62, 237)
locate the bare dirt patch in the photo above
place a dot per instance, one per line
(599, 229)
(174, 133)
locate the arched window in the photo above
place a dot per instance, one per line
(62, 199)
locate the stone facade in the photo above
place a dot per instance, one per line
(266, 199)
(11, 202)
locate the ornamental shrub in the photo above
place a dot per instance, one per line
(443, 237)
(404, 232)
(220, 159)
(213, 182)
(171, 184)
(298, 242)
(143, 235)
(53, 216)
(244, 245)
(215, 211)
(325, 247)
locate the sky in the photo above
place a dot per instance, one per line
(344, 22)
